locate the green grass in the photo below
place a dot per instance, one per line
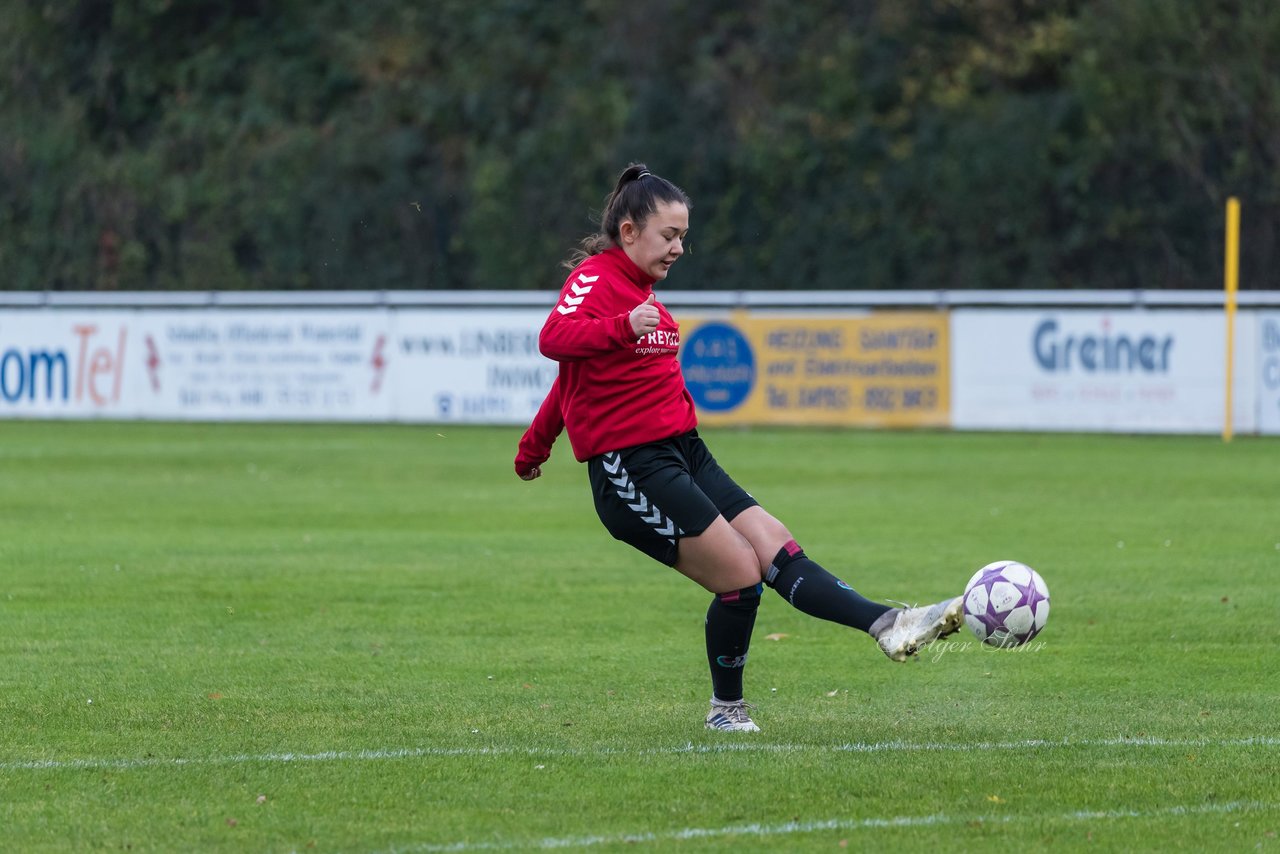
(403, 647)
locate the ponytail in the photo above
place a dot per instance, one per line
(636, 197)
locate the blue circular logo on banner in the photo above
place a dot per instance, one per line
(719, 367)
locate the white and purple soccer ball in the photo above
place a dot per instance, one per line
(1006, 603)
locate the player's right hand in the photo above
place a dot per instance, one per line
(532, 473)
(645, 317)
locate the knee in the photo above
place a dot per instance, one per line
(764, 532)
(766, 540)
(744, 564)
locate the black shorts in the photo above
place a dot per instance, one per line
(652, 495)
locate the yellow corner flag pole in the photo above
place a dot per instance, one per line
(1232, 277)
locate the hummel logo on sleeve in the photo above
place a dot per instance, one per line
(572, 301)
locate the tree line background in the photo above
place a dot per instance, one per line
(460, 144)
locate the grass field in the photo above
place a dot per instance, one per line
(376, 638)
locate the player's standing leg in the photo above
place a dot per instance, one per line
(730, 620)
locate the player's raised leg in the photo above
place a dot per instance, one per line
(900, 633)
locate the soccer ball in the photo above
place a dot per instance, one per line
(1006, 603)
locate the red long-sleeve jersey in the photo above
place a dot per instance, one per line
(612, 391)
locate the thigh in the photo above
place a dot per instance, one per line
(720, 559)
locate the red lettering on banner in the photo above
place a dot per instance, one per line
(93, 364)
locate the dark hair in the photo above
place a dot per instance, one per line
(636, 197)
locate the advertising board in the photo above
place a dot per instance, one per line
(263, 365)
(67, 364)
(1268, 366)
(1124, 370)
(1120, 369)
(469, 366)
(882, 369)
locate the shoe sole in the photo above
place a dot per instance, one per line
(731, 729)
(752, 727)
(948, 624)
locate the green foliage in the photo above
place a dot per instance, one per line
(1181, 101)
(906, 144)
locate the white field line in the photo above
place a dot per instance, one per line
(690, 748)
(793, 827)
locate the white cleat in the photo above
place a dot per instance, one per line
(908, 630)
(731, 717)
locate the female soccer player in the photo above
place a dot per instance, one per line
(621, 396)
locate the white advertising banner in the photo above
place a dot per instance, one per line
(475, 366)
(251, 365)
(1127, 370)
(67, 364)
(1269, 372)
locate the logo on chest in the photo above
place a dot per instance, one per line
(659, 341)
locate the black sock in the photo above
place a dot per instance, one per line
(730, 620)
(818, 593)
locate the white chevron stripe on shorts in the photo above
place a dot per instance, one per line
(636, 500)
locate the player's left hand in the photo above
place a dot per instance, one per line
(532, 473)
(645, 317)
